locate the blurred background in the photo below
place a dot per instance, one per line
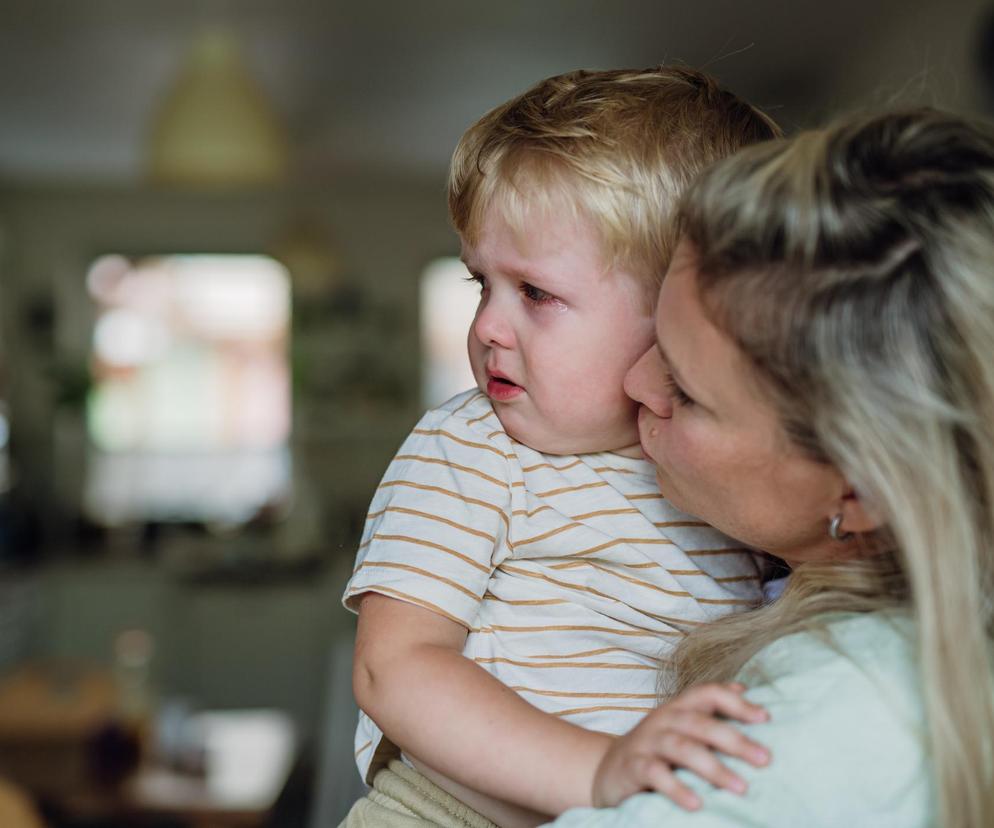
(227, 291)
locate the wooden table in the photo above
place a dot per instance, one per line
(248, 756)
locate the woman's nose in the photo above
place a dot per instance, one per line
(645, 384)
(492, 326)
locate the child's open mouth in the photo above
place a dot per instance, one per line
(501, 389)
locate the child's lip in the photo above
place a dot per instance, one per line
(498, 375)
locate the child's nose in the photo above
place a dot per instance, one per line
(491, 325)
(645, 384)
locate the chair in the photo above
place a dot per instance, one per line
(16, 808)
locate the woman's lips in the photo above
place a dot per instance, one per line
(645, 428)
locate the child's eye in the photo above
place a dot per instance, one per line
(677, 394)
(536, 295)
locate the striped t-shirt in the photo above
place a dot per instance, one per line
(573, 575)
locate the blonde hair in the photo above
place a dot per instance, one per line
(854, 267)
(616, 148)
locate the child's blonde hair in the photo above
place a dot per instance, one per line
(853, 268)
(616, 148)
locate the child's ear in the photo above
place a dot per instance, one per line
(856, 516)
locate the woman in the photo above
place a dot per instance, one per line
(823, 389)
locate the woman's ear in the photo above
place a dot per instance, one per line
(856, 516)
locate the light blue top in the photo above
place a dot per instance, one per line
(846, 737)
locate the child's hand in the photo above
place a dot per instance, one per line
(683, 733)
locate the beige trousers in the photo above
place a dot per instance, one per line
(403, 798)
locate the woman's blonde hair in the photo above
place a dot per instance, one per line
(854, 267)
(615, 147)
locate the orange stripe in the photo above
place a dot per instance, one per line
(366, 746)
(438, 432)
(545, 602)
(474, 398)
(678, 594)
(566, 584)
(676, 622)
(650, 496)
(619, 541)
(638, 582)
(421, 459)
(433, 545)
(631, 510)
(544, 535)
(480, 419)
(438, 490)
(726, 579)
(575, 463)
(602, 469)
(581, 665)
(578, 628)
(581, 695)
(385, 590)
(588, 653)
(575, 564)
(568, 489)
(429, 516)
(424, 573)
(577, 710)
(526, 513)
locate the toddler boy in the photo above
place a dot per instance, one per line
(521, 579)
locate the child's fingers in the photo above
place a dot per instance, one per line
(689, 753)
(722, 699)
(720, 736)
(659, 777)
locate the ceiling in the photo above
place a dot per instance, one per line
(387, 86)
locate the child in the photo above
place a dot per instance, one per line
(521, 580)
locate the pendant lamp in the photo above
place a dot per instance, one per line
(215, 127)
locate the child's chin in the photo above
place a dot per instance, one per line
(538, 440)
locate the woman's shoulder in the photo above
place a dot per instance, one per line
(852, 666)
(880, 642)
(845, 734)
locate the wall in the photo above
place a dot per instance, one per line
(223, 639)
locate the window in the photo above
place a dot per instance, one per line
(189, 408)
(448, 305)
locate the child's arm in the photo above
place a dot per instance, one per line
(411, 678)
(442, 709)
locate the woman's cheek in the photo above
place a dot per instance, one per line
(682, 449)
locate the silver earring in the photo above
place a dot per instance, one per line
(834, 529)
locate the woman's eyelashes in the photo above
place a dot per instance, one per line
(676, 393)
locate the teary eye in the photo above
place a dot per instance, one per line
(536, 295)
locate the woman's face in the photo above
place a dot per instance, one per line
(719, 450)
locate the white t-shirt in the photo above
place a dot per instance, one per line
(573, 575)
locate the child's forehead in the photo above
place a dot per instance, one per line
(535, 232)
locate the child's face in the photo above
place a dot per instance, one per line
(554, 335)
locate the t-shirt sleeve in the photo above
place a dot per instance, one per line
(437, 517)
(845, 751)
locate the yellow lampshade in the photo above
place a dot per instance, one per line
(215, 127)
